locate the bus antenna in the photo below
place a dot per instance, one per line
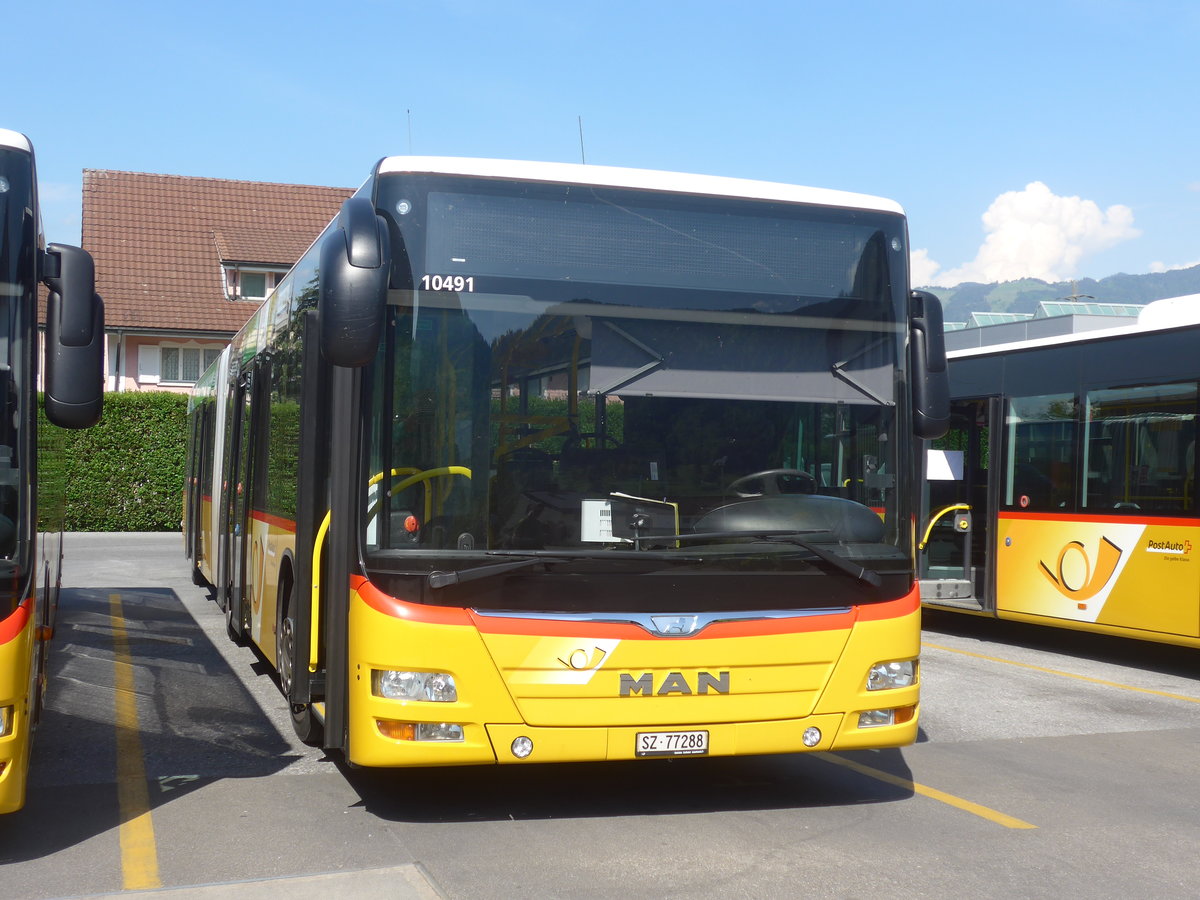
(582, 155)
(408, 113)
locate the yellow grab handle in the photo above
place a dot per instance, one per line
(315, 617)
(934, 520)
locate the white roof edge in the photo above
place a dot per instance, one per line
(15, 139)
(1159, 315)
(646, 179)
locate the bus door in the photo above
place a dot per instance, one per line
(194, 505)
(240, 492)
(958, 505)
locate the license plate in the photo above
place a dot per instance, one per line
(671, 743)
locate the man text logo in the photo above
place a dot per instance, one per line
(674, 683)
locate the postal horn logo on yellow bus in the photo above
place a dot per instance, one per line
(583, 659)
(1074, 575)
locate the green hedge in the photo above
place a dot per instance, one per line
(123, 474)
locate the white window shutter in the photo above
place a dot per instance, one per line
(149, 367)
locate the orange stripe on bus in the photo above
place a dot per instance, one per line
(891, 609)
(1072, 518)
(449, 615)
(274, 521)
(401, 609)
(15, 624)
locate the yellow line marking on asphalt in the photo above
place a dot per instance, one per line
(1088, 678)
(974, 809)
(139, 853)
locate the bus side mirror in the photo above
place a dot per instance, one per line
(355, 262)
(927, 364)
(74, 377)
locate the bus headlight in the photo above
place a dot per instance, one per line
(6, 721)
(889, 675)
(392, 684)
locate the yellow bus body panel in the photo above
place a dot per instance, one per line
(269, 543)
(563, 690)
(16, 657)
(1101, 574)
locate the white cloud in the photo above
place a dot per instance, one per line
(922, 269)
(1159, 266)
(1034, 233)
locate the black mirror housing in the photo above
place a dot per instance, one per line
(74, 376)
(927, 367)
(354, 268)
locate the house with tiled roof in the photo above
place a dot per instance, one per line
(183, 262)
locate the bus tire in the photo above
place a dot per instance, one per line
(304, 721)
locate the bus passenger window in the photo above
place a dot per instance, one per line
(1041, 464)
(1140, 450)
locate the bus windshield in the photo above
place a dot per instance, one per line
(18, 247)
(643, 381)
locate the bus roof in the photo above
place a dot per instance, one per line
(1160, 315)
(15, 140)
(645, 179)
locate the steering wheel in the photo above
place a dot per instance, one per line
(774, 482)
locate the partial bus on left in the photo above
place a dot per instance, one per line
(30, 558)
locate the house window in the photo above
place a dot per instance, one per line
(185, 364)
(254, 285)
(250, 284)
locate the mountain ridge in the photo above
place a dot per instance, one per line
(1024, 295)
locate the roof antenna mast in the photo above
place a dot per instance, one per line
(408, 113)
(582, 155)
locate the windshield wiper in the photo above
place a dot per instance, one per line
(445, 579)
(799, 538)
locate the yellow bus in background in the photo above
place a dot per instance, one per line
(538, 462)
(30, 558)
(1064, 492)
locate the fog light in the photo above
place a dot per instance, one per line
(874, 718)
(885, 676)
(811, 737)
(522, 747)
(439, 731)
(419, 731)
(438, 687)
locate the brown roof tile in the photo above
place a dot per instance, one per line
(159, 240)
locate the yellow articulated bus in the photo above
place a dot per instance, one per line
(1064, 492)
(542, 462)
(30, 560)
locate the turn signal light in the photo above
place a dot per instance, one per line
(419, 731)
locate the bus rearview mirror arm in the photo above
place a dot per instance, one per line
(74, 377)
(355, 263)
(927, 367)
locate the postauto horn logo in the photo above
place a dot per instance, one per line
(1074, 574)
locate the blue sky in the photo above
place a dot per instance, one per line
(1056, 139)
